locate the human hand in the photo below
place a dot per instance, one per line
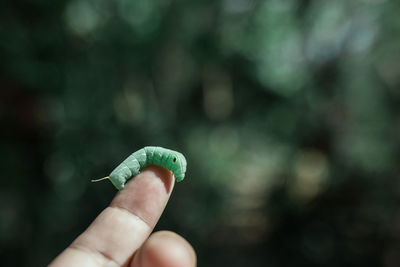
(119, 236)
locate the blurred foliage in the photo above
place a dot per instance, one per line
(287, 111)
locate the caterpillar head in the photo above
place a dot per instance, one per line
(178, 165)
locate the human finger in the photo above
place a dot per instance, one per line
(124, 225)
(165, 249)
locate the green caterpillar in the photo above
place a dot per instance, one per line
(131, 166)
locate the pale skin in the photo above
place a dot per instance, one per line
(121, 234)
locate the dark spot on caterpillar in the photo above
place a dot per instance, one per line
(174, 160)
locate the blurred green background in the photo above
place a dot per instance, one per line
(287, 112)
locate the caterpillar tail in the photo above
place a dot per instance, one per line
(101, 179)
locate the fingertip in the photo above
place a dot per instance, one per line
(165, 175)
(146, 194)
(165, 249)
